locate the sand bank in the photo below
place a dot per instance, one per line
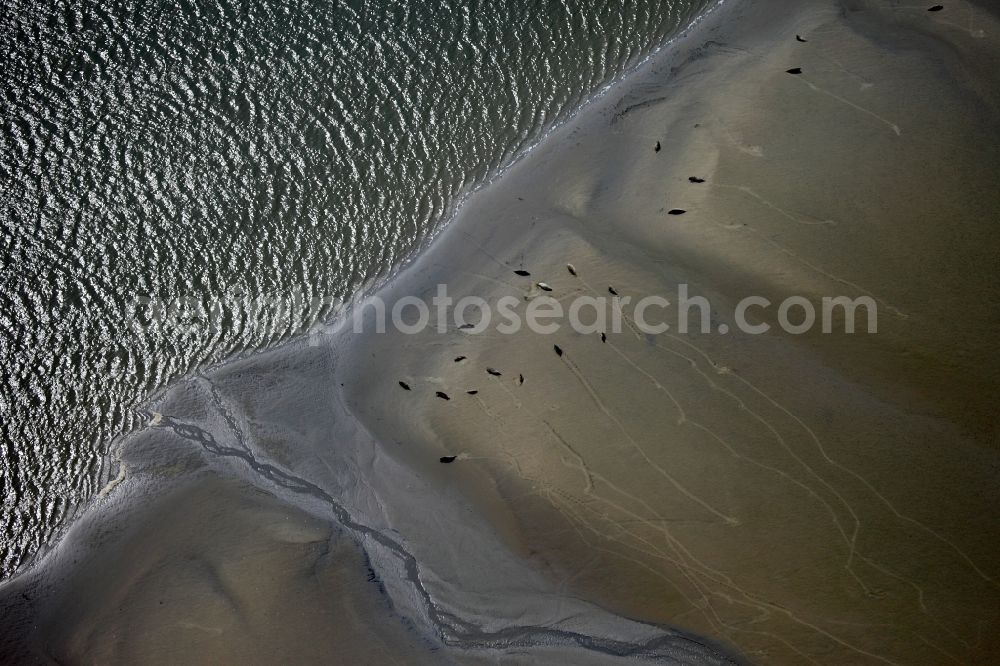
(815, 498)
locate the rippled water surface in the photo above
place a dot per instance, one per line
(187, 180)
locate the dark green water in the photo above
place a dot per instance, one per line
(184, 181)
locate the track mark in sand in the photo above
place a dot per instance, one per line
(680, 556)
(969, 29)
(941, 650)
(813, 267)
(748, 191)
(745, 148)
(482, 249)
(849, 566)
(864, 83)
(184, 624)
(570, 293)
(831, 461)
(871, 488)
(751, 600)
(684, 420)
(587, 386)
(478, 275)
(567, 506)
(696, 572)
(496, 419)
(682, 416)
(588, 476)
(618, 312)
(893, 126)
(730, 520)
(850, 540)
(591, 476)
(509, 456)
(510, 394)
